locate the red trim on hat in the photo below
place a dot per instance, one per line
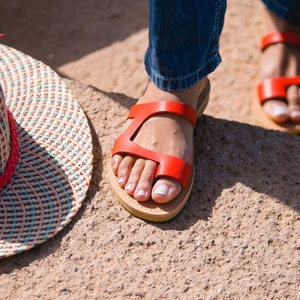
(6, 177)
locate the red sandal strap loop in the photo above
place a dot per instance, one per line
(275, 88)
(280, 37)
(146, 110)
(168, 165)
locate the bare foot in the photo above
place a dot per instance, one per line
(168, 134)
(281, 60)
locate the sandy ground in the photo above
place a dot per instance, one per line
(238, 236)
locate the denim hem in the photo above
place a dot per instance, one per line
(181, 82)
(285, 10)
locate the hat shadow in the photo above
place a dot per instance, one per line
(44, 215)
(227, 153)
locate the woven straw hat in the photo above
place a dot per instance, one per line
(45, 153)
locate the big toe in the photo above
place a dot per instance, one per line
(165, 190)
(277, 111)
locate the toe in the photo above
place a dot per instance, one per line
(134, 177)
(165, 190)
(293, 103)
(124, 170)
(277, 110)
(144, 181)
(295, 114)
(115, 162)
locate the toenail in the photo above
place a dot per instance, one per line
(279, 111)
(120, 180)
(129, 187)
(141, 193)
(295, 114)
(162, 190)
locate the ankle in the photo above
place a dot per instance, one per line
(274, 23)
(188, 96)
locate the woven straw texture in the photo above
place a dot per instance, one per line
(55, 163)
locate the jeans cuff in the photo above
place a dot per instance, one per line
(169, 83)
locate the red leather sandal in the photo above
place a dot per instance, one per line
(168, 165)
(275, 88)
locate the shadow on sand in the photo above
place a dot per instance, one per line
(227, 153)
(57, 32)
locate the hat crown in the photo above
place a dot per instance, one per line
(4, 134)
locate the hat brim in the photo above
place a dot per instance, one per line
(55, 144)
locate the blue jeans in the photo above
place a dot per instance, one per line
(184, 38)
(288, 10)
